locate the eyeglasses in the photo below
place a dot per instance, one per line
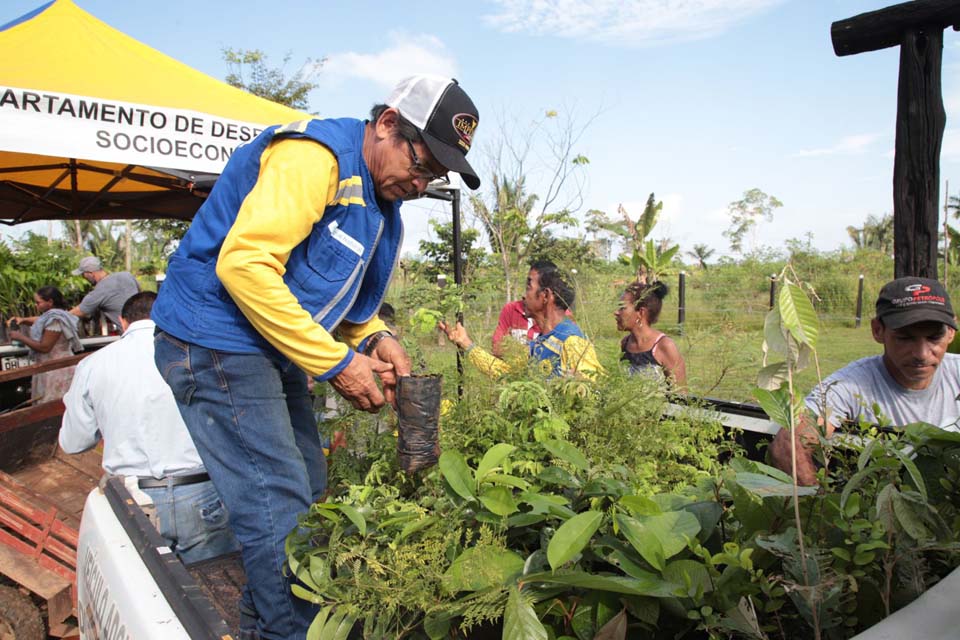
(419, 170)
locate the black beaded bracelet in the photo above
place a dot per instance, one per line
(374, 340)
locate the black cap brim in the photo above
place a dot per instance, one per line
(452, 159)
(915, 315)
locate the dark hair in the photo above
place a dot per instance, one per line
(552, 278)
(387, 312)
(405, 128)
(649, 297)
(52, 294)
(137, 306)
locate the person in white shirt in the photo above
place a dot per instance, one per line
(915, 380)
(117, 394)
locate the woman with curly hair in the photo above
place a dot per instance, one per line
(644, 347)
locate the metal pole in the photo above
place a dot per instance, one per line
(859, 302)
(458, 274)
(773, 290)
(682, 303)
(946, 233)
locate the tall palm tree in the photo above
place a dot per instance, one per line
(507, 224)
(701, 253)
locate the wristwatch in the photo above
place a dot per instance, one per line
(374, 339)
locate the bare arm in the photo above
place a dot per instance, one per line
(43, 345)
(668, 354)
(806, 437)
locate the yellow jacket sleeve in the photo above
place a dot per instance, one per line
(298, 179)
(579, 356)
(488, 363)
(354, 334)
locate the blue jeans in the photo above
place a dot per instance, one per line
(252, 421)
(193, 521)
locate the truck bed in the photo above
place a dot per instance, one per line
(221, 580)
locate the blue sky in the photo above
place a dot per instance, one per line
(698, 100)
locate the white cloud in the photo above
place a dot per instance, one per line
(405, 55)
(624, 22)
(846, 146)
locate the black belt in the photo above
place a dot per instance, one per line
(171, 481)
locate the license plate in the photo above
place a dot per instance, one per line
(14, 362)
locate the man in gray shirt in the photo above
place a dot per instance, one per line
(915, 380)
(109, 293)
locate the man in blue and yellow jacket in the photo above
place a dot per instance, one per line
(283, 271)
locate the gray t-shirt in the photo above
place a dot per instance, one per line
(109, 295)
(852, 391)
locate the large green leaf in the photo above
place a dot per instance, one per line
(499, 500)
(572, 536)
(660, 537)
(909, 519)
(654, 586)
(640, 505)
(922, 433)
(548, 504)
(567, 452)
(773, 340)
(647, 546)
(481, 567)
(507, 481)
(520, 620)
(797, 315)
(765, 486)
(776, 404)
(492, 459)
(355, 517)
(772, 376)
(623, 562)
(912, 469)
(332, 623)
(689, 573)
(457, 474)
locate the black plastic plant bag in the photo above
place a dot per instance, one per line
(418, 401)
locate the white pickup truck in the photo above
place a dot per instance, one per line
(79, 556)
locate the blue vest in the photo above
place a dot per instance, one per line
(339, 272)
(548, 347)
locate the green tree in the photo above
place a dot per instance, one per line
(249, 71)
(650, 260)
(438, 254)
(876, 234)
(514, 219)
(701, 253)
(567, 252)
(598, 225)
(745, 214)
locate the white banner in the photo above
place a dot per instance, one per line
(64, 125)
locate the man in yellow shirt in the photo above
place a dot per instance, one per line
(561, 347)
(284, 270)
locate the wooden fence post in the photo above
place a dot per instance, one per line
(682, 302)
(859, 302)
(773, 290)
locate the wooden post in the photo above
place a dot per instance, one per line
(682, 301)
(946, 232)
(917, 27)
(773, 291)
(859, 313)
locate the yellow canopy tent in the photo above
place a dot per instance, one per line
(94, 124)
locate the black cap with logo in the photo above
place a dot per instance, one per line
(910, 300)
(445, 116)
